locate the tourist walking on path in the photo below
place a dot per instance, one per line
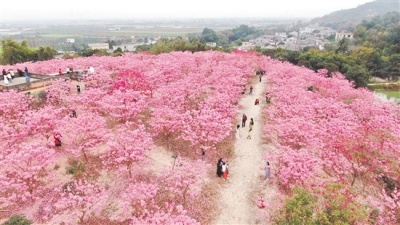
(219, 167)
(251, 90)
(225, 170)
(267, 98)
(238, 131)
(251, 123)
(244, 119)
(9, 77)
(26, 74)
(249, 135)
(11, 71)
(6, 82)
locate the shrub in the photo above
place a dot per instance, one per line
(17, 220)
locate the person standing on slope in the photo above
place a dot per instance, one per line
(244, 119)
(225, 171)
(219, 167)
(238, 131)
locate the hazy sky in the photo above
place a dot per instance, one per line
(128, 9)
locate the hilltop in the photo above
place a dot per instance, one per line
(348, 18)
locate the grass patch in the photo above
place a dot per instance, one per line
(76, 168)
(390, 94)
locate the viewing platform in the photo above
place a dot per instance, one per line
(40, 80)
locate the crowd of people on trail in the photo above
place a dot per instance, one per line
(222, 166)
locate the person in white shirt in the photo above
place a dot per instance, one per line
(225, 170)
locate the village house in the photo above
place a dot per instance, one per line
(341, 35)
(306, 30)
(99, 46)
(211, 44)
(246, 45)
(70, 40)
(125, 48)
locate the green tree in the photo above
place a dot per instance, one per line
(111, 43)
(89, 52)
(118, 50)
(243, 32)
(343, 46)
(298, 209)
(13, 52)
(45, 53)
(334, 206)
(394, 61)
(17, 220)
(358, 74)
(209, 35)
(142, 48)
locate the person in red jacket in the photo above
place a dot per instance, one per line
(57, 139)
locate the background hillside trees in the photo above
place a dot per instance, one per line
(373, 52)
(14, 52)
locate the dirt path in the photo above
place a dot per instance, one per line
(238, 193)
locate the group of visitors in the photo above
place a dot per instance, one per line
(9, 75)
(267, 97)
(244, 119)
(69, 70)
(222, 169)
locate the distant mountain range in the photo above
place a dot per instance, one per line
(347, 19)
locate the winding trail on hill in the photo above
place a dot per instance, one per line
(246, 177)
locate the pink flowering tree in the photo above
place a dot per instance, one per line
(128, 146)
(99, 80)
(133, 80)
(14, 105)
(79, 199)
(89, 99)
(23, 176)
(58, 91)
(206, 127)
(122, 105)
(170, 195)
(295, 167)
(43, 121)
(82, 134)
(14, 134)
(387, 206)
